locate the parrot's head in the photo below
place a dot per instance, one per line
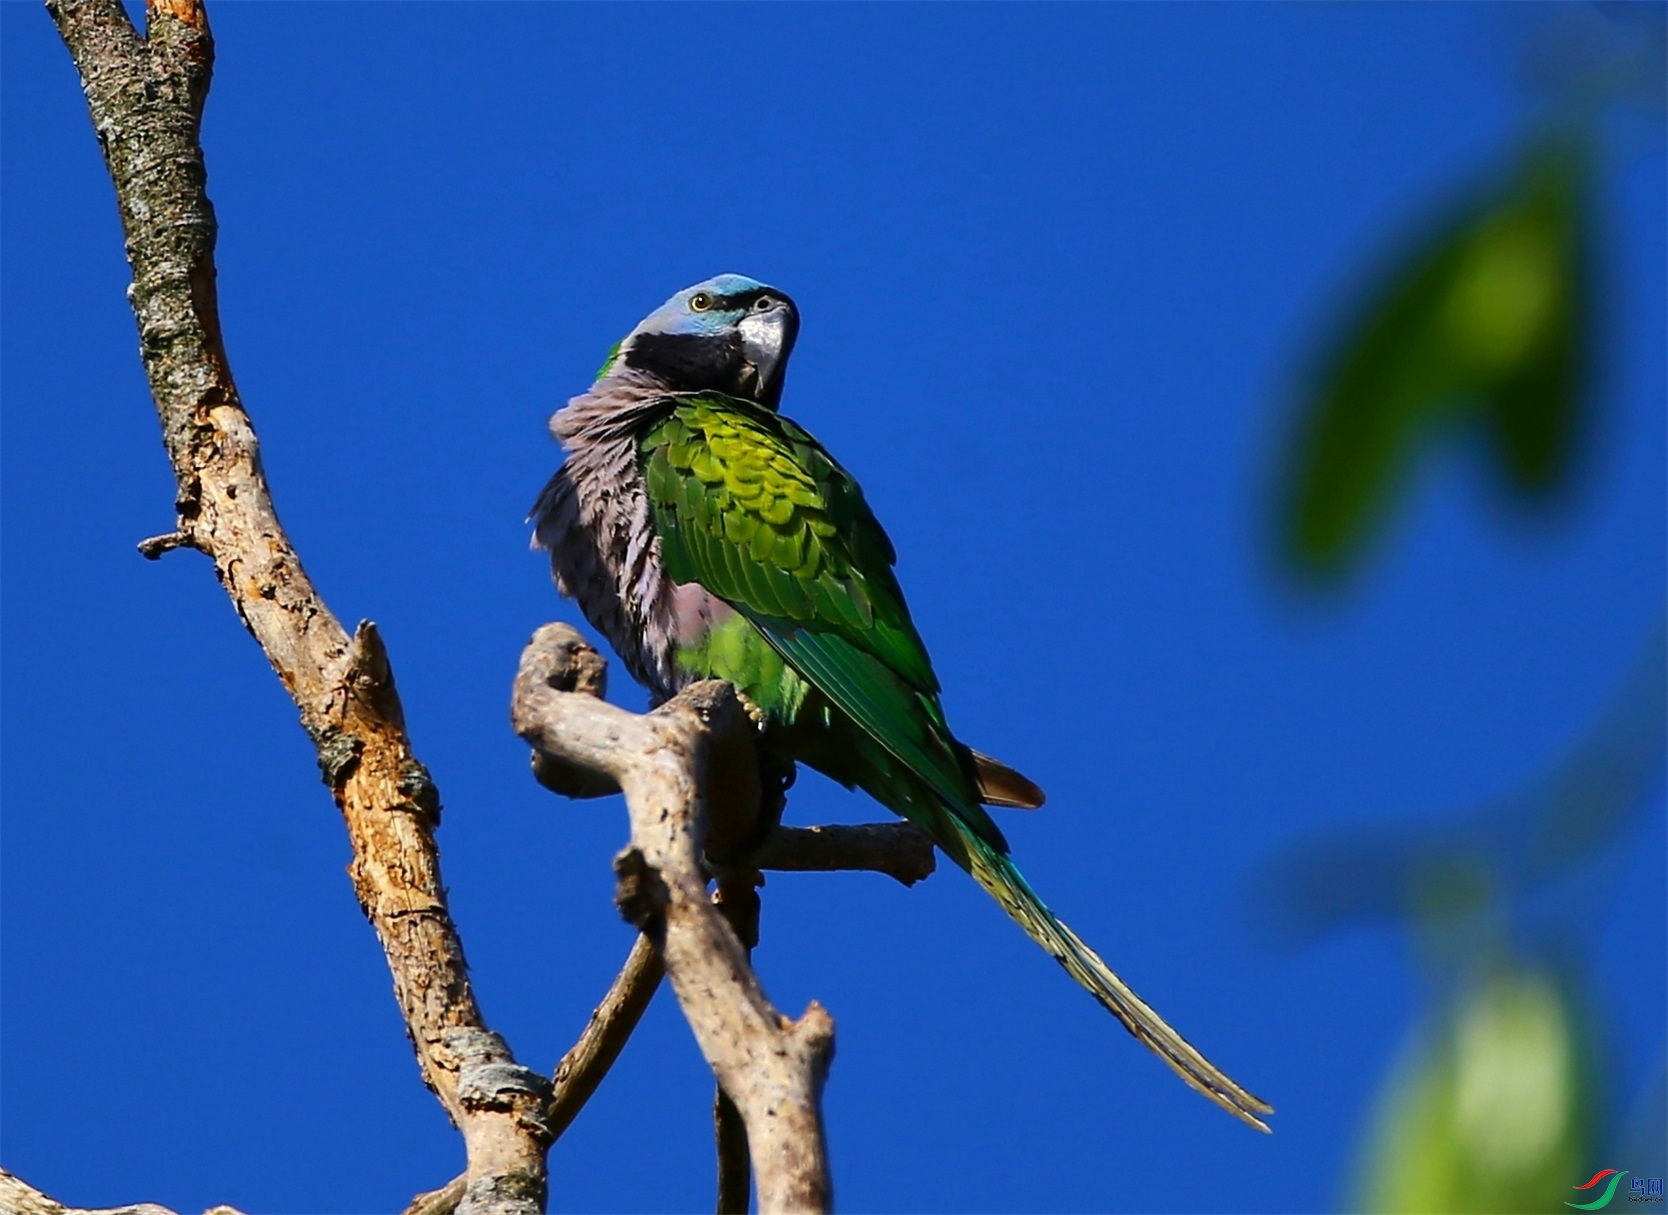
(729, 334)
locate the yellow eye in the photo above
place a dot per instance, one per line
(700, 301)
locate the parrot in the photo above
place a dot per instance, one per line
(707, 536)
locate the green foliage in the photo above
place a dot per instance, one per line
(1484, 330)
(1484, 326)
(1460, 884)
(1490, 1111)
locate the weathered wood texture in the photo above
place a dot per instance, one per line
(18, 1197)
(773, 1068)
(146, 96)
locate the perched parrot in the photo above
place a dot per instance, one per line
(708, 537)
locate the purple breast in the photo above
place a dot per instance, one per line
(695, 612)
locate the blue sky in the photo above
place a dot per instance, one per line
(1058, 268)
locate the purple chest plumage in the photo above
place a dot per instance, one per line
(593, 519)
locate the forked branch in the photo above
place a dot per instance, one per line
(773, 1068)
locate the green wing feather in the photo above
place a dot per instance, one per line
(752, 508)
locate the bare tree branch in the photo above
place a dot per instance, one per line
(771, 1067)
(735, 1164)
(443, 1201)
(562, 660)
(737, 899)
(610, 1028)
(146, 97)
(899, 850)
(18, 1197)
(583, 1068)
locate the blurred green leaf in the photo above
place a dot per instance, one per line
(1485, 321)
(1490, 1112)
(1527, 319)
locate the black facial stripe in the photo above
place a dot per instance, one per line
(691, 359)
(743, 301)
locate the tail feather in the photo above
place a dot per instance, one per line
(1000, 785)
(977, 846)
(996, 873)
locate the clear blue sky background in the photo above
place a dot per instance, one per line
(1057, 267)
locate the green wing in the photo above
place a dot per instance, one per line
(749, 506)
(752, 508)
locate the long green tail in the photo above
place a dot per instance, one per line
(1004, 883)
(974, 842)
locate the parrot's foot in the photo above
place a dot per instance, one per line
(752, 710)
